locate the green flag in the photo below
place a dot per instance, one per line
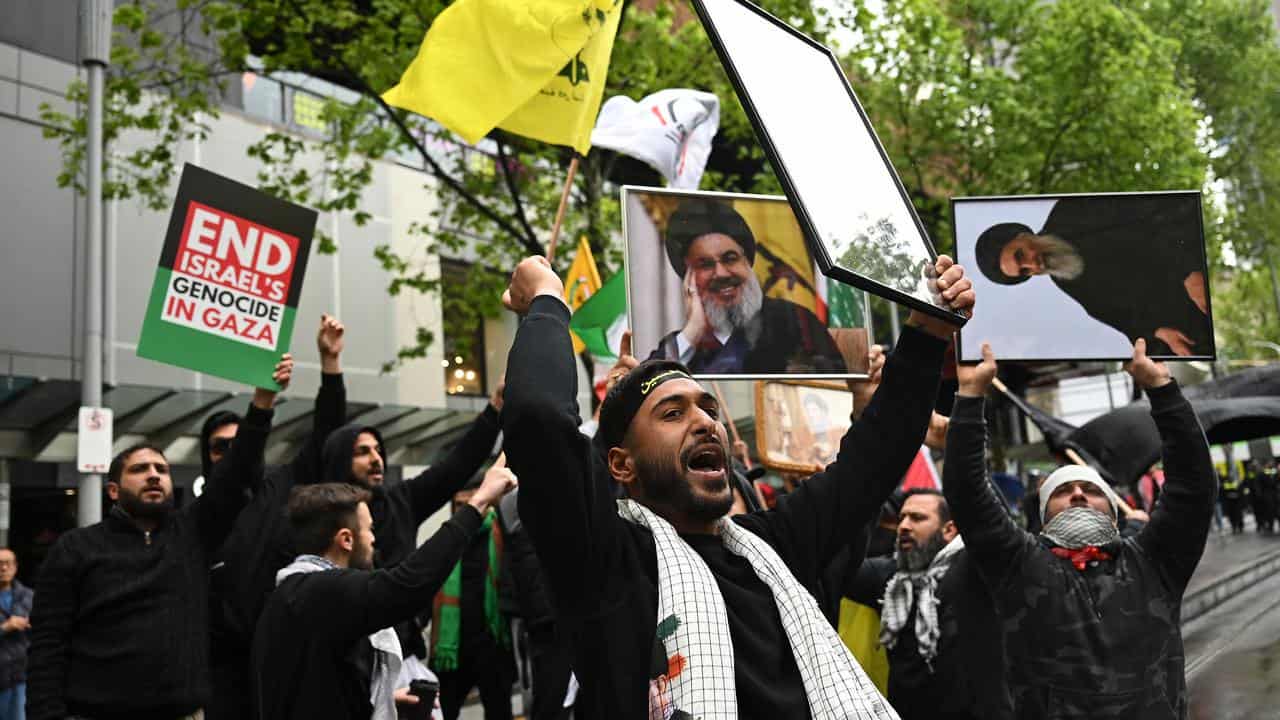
(844, 305)
(602, 319)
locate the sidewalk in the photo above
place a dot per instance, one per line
(1230, 563)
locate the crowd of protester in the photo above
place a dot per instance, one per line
(626, 567)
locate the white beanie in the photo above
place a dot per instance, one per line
(1075, 473)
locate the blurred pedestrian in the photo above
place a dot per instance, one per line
(15, 638)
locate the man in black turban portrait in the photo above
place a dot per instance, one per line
(730, 326)
(1134, 263)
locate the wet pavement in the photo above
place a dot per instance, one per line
(1233, 650)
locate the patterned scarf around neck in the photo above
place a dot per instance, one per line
(386, 645)
(446, 621)
(1079, 527)
(919, 588)
(693, 626)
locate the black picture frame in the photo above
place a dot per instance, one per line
(1204, 259)
(828, 266)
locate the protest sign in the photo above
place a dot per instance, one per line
(230, 275)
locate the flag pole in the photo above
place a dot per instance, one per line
(728, 419)
(564, 204)
(1072, 455)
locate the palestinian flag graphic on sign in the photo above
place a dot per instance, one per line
(226, 291)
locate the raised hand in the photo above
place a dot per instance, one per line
(498, 481)
(265, 398)
(975, 380)
(1147, 373)
(863, 389)
(950, 289)
(531, 278)
(330, 342)
(695, 324)
(625, 364)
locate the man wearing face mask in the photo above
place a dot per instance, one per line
(121, 615)
(728, 602)
(1092, 620)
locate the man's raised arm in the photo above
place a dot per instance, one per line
(570, 515)
(1179, 525)
(331, 401)
(990, 535)
(825, 512)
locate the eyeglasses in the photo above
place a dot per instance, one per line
(221, 445)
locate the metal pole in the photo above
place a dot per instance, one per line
(95, 51)
(109, 269)
(895, 324)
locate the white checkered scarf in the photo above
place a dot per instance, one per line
(1078, 527)
(920, 588)
(836, 686)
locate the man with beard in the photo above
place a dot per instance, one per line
(730, 327)
(1136, 264)
(729, 602)
(120, 627)
(936, 620)
(1091, 619)
(354, 454)
(324, 647)
(244, 569)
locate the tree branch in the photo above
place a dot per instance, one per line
(511, 186)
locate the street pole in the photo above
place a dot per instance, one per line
(95, 52)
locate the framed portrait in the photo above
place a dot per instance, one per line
(799, 425)
(727, 285)
(847, 197)
(1081, 277)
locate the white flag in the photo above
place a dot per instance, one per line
(671, 130)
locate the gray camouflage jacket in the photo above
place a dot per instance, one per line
(1104, 642)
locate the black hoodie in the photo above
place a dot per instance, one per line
(398, 509)
(258, 546)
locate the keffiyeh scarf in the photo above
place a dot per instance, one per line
(694, 627)
(918, 588)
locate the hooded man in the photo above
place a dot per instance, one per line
(120, 625)
(1136, 264)
(936, 621)
(1092, 620)
(243, 570)
(355, 454)
(324, 647)
(730, 600)
(730, 326)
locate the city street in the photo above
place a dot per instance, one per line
(1233, 651)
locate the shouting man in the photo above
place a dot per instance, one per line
(730, 326)
(729, 603)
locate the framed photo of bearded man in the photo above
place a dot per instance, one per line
(1081, 277)
(726, 284)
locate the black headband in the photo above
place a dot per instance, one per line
(625, 398)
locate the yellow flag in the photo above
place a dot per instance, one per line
(532, 67)
(581, 282)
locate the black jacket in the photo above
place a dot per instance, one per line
(965, 680)
(118, 610)
(244, 571)
(1117, 235)
(13, 645)
(1104, 642)
(400, 508)
(312, 639)
(603, 570)
(790, 338)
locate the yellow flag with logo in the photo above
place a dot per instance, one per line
(580, 283)
(532, 67)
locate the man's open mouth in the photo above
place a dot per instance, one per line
(707, 460)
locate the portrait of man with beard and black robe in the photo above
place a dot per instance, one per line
(730, 325)
(1135, 263)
